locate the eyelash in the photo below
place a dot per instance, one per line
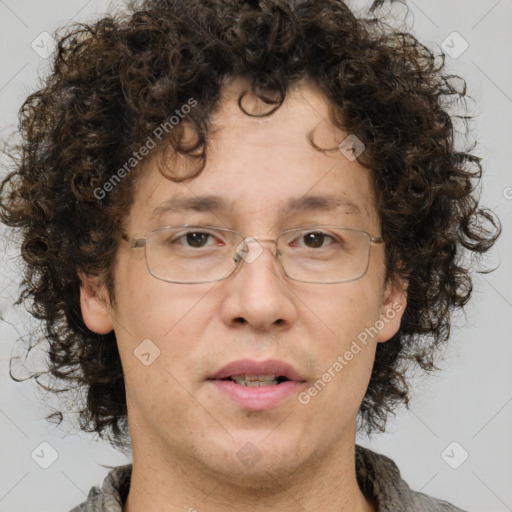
(183, 236)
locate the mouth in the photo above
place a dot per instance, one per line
(253, 381)
(248, 372)
(257, 385)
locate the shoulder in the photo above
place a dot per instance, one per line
(112, 494)
(380, 479)
(427, 503)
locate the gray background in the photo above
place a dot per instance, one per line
(469, 402)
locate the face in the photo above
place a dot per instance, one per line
(256, 166)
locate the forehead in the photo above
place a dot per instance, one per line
(263, 166)
(304, 110)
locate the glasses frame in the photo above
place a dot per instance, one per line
(139, 242)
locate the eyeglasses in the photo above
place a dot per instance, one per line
(190, 254)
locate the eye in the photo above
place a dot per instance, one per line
(196, 239)
(316, 239)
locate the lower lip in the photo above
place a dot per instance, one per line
(257, 398)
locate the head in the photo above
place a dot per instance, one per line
(248, 102)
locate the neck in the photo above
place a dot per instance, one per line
(176, 483)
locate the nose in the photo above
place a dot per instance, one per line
(257, 294)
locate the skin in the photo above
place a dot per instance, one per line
(186, 434)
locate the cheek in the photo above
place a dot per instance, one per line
(167, 322)
(340, 328)
(172, 316)
(341, 313)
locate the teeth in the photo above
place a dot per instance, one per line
(255, 380)
(255, 384)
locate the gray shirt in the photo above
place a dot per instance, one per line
(377, 475)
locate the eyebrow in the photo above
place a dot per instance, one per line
(215, 204)
(324, 202)
(206, 203)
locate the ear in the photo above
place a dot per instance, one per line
(94, 303)
(392, 310)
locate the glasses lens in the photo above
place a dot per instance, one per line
(196, 254)
(325, 254)
(191, 254)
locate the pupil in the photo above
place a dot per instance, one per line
(314, 239)
(196, 239)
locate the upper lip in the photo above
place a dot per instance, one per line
(254, 368)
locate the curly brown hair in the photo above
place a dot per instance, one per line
(114, 82)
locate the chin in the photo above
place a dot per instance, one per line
(252, 459)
